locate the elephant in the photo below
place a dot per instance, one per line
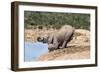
(59, 39)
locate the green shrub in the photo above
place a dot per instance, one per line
(56, 19)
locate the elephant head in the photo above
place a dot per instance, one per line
(45, 39)
(42, 39)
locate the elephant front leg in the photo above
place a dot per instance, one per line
(52, 47)
(54, 44)
(63, 45)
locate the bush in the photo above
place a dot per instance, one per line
(56, 19)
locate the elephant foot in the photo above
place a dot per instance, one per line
(61, 47)
(51, 47)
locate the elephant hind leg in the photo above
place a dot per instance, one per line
(70, 38)
(64, 44)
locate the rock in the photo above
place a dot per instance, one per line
(82, 32)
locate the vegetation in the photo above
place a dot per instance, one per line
(34, 19)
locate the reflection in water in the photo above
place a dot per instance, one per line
(32, 51)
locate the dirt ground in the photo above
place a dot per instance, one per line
(78, 48)
(72, 52)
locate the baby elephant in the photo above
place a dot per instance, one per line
(59, 39)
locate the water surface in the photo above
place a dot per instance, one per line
(32, 51)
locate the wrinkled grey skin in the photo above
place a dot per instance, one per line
(60, 39)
